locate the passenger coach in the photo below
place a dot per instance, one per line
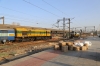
(7, 35)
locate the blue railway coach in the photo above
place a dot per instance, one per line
(7, 35)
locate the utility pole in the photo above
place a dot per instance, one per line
(58, 24)
(85, 29)
(64, 25)
(69, 26)
(94, 28)
(64, 19)
(3, 19)
(94, 31)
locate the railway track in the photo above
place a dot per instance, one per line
(10, 50)
(13, 49)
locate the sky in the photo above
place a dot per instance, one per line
(45, 13)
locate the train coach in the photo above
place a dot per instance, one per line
(24, 34)
(7, 35)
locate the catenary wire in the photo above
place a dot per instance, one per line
(41, 8)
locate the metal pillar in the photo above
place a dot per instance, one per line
(3, 19)
(69, 26)
(63, 27)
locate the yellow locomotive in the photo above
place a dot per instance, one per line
(25, 34)
(75, 35)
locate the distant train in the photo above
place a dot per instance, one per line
(24, 34)
(75, 34)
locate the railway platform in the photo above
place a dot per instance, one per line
(91, 57)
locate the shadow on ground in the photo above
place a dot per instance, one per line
(82, 54)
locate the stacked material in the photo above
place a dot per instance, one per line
(88, 43)
(70, 47)
(83, 48)
(69, 43)
(64, 48)
(56, 47)
(78, 43)
(76, 48)
(62, 44)
(83, 45)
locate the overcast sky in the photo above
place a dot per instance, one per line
(44, 13)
